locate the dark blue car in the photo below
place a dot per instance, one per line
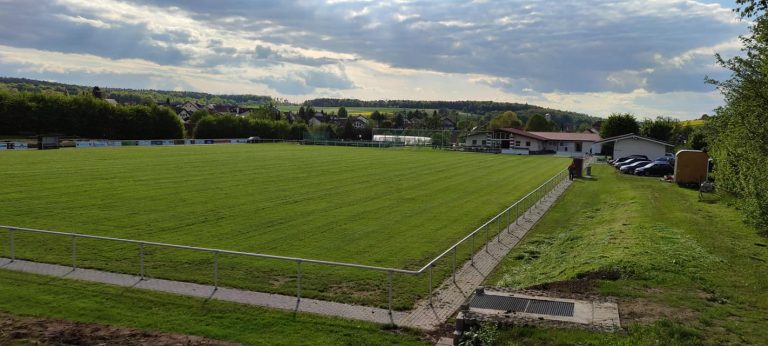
(655, 169)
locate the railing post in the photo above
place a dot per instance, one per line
(509, 221)
(13, 249)
(298, 280)
(498, 229)
(141, 260)
(430, 284)
(74, 252)
(454, 265)
(389, 296)
(216, 270)
(472, 253)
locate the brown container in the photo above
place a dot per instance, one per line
(691, 166)
(579, 163)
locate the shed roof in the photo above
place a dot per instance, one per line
(555, 136)
(633, 136)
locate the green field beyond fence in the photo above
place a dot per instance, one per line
(384, 207)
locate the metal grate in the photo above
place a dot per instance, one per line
(515, 304)
(548, 307)
(485, 301)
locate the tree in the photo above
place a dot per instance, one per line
(697, 139)
(342, 112)
(432, 121)
(505, 120)
(197, 115)
(377, 117)
(349, 131)
(302, 113)
(538, 122)
(662, 128)
(619, 124)
(738, 135)
(399, 120)
(96, 92)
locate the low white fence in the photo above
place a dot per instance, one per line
(102, 143)
(13, 146)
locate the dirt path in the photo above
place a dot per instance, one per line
(16, 330)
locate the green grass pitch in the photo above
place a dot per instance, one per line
(385, 207)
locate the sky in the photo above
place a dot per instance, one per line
(647, 57)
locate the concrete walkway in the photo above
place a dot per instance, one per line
(277, 301)
(445, 302)
(450, 295)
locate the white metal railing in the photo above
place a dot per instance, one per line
(519, 208)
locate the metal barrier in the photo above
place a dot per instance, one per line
(519, 208)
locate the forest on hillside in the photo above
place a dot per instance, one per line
(132, 96)
(523, 110)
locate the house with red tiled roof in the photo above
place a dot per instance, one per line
(516, 141)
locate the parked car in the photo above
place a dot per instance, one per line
(630, 168)
(627, 162)
(655, 169)
(625, 158)
(254, 139)
(666, 158)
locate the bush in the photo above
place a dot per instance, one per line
(84, 116)
(230, 126)
(485, 335)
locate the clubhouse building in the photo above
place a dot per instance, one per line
(520, 142)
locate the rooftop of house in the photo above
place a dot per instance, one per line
(569, 136)
(555, 136)
(634, 136)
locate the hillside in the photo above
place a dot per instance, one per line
(523, 110)
(480, 109)
(132, 95)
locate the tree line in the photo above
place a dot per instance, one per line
(83, 115)
(134, 96)
(268, 122)
(523, 110)
(738, 132)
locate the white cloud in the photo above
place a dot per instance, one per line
(567, 53)
(81, 20)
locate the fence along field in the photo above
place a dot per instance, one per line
(393, 208)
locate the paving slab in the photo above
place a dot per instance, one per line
(277, 301)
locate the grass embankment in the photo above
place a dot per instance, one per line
(42, 296)
(691, 272)
(384, 207)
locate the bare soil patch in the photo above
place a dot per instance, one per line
(642, 311)
(583, 284)
(16, 330)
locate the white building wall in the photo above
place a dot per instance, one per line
(568, 148)
(595, 149)
(478, 138)
(530, 144)
(631, 146)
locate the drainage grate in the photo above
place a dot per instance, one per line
(515, 304)
(548, 307)
(485, 301)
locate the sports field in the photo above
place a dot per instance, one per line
(385, 207)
